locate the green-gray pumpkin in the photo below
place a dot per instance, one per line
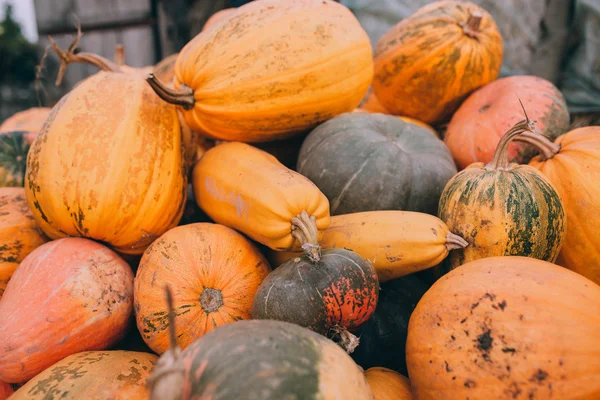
(369, 162)
(14, 147)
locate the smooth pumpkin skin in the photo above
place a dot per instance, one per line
(398, 243)
(315, 64)
(14, 147)
(120, 180)
(6, 391)
(30, 120)
(67, 296)
(506, 327)
(247, 189)
(218, 17)
(244, 360)
(387, 384)
(477, 126)
(371, 162)
(428, 63)
(93, 375)
(214, 273)
(573, 171)
(19, 233)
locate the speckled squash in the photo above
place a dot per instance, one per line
(14, 147)
(503, 209)
(371, 162)
(218, 18)
(19, 233)
(506, 328)
(388, 385)
(6, 391)
(430, 61)
(30, 120)
(479, 123)
(214, 273)
(315, 63)
(67, 296)
(92, 375)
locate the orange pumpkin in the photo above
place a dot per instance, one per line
(6, 391)
(429, 62)
(67, 296)
(315, 63)
(371, 104)
(19, 234)
(214, 273)
(506, 328)
(405, 119)
(476, 128)
(30, 120)
(92, 375)
(218, 17)
(165, 69)
(387, 384)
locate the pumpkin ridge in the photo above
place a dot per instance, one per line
(335, 202)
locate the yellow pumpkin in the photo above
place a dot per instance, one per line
(387, 384)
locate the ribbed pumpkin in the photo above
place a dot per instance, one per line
(242, 187)
(267, 360)
(92, 375)
(30, 120)
(572, 165)
(218, 17)
(19, 234)
(14, 147)
(237, 84)
(120, 162)
(214, 273)
(67, 296)
(398, 243)
(386, 384)
(369, 162)
(6, 391)
(429, 62)
(503, 209)
(506, 328)
(477, 126)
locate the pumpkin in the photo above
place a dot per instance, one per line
(267, 360)
(398, 243)
(165, 69)
(332, 292)
(405, 119)
(388, 385)
(219, 17)
(93, 375)
(14, 147)
(572, 165)
(506, 327)
(6, 391)
(430, 61)
(503, 209)
(67, 296)
(371, 104)
(370, 162)
(123, 179)
(245, 188)
(30, 120)
(315, 64)
(19, 234)
(476, 128)
(215, 273)
(383, 336)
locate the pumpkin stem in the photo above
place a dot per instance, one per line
(471, 27)
(344, 338)
(120, 54)
(183, 97)
(69, 56)
(500, 159)
(304, 230)
(454, 242)
(545, 146)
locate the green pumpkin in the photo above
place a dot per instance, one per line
(14, 147)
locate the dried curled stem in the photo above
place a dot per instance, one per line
(305, 231)
(545, 146)
(120, 54)
(344, 338)
(183, 97)
(454, 242)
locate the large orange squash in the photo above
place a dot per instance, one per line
(236, 83)
(429, 62)
(67, 296)
(214, 273)
(572, 164)
(218, 17)
(6, 391)
(30, 120)
(19, 234)
(506, 328)
(387, 384)
(477, 126)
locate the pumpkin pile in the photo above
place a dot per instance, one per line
(301, 215)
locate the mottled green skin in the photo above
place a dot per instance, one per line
(14, 147)
(513, 212)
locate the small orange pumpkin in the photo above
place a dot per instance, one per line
(387, 384)
(30, 120)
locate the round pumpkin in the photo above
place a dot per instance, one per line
(6, 391)
(315, 63)
(503, 209)
(476, 128)
(386, 384)
(67, 296)
(214, 273)
(430, 61)
(371, 104)
(506, 328)
(14, 147)
(405, 119)
(218, 17)
(368, 162)
(19, 234)
(165, 69)
(572, 165)
(267, 360)
(92, 375)
(30, 120)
